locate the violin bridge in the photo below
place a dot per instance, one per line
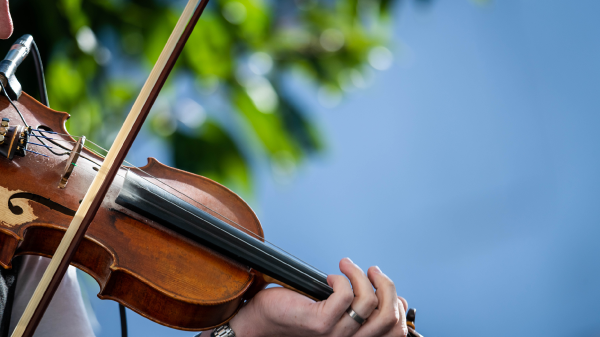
(71, 162)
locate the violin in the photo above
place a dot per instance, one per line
(173, 246)
(154, 241)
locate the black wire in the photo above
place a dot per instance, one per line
(53, 142)
(39, 70)
(24, 122)
(123, 320)
(13, 104)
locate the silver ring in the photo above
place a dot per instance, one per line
(355, 316)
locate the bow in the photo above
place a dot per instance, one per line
(116, 155)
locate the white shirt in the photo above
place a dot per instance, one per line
(66, 315)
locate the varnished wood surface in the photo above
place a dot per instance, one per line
(150, 269)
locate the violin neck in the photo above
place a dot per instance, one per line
(269, 280)
(143, 197)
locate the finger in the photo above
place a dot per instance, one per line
(404, 303)
(332, 310)
(400, 329)
(365, 301)
(384, 319)
(402, 307)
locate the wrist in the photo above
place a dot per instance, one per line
(245, 323)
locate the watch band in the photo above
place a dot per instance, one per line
(223, 331)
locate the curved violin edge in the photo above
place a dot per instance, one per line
(166, 310)
(159, 170)
(8, 245)
(58, 118)
(128, 288)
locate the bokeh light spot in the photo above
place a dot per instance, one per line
(380, 58)
(332, 39)
(234, 12)
(262, 94)
(102, 55)
(163, 121)
(260, 63)
(86, 39)
(190, 113)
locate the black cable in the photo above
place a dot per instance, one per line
(53, 142)
(39, 70)
(123, 320)
(24, 122)
(13, 104)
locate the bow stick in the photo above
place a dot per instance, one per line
(116, 155)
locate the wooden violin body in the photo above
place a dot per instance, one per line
(157, 272)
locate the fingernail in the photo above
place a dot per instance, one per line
(378, 269)
(349, 260)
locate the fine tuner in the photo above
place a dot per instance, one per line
(13, 139)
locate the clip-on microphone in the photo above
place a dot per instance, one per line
(17, 53)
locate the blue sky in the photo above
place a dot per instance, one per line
(468, 172)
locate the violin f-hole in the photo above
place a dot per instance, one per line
(39, 199)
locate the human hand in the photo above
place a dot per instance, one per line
(282, 312)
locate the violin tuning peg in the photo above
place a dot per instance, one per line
(410, 315)
(410, 321)
(4, 128)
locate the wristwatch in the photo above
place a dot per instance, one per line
(223, 331)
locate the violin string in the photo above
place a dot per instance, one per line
(232, 222)
(131, 166)
(36, 153)
(26, 125)
(69, 141)
(55, 139)
(242, 240)
(46, 146)
(55, 133)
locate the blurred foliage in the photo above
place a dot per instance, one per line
(236, 107)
